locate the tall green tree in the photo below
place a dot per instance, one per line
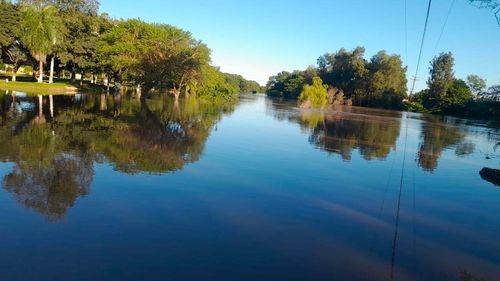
(386, 81)
(83, 26)
(39, 31)
(440, 80)
(121, 48)
(345, 69)
(173, 60)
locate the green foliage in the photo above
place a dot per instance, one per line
(380, 82)
(214, 85)
(243, 85)
(286, 85)
(386, 81)
(315, 94)
(456, 97)
(174, 60)
(344, 69)
(120, 49)
(82, 30)
(413, 106)
(9, 22)
(476, 84)
(39, 29)
(440, 80)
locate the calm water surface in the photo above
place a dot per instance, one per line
(96, 187)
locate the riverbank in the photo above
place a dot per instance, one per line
(58, 87)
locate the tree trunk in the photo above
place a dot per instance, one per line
(51, 76)
(81, 78)
(108, 77)
(40, 106)
(73, 75)
(104, 104)
(51, 106)
(15, 68)
(40, 71)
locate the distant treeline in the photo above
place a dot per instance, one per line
(346, 77)
(73, 38)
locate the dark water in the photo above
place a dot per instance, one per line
(96, 187)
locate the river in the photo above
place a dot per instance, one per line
(97, 187)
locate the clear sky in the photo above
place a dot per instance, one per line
(259, 38)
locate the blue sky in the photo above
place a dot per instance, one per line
(258, 38)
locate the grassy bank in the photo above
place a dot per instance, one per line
(58, 87)
(38, 88)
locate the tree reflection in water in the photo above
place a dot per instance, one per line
(439, 133)
(53, 147)
(341, 133)
(374, 133)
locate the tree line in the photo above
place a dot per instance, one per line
(346, 77)
(71, 37)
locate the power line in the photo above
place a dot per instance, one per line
(421, 46)
(396, 224)
(444, 25)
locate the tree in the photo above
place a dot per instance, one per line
(456, 98)
(83, 27)
(386, 81)
(16, 56)
(9, 21)
(315, 94)
(214, 85)
(285, 85)
(440, 80)
(243, 85)
(39, 31)
(121, 48)
(476, 84)
(174, 60)
(345, 70)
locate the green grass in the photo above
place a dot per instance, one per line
(59, 87)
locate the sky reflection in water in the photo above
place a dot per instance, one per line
(123, 188)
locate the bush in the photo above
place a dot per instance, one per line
(316, 94)
(413, 106)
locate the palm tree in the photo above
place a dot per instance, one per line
(39, 29)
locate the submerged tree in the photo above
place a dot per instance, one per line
(315, 95)
(286, 85)
(175, 60)
(344, 69)
(386, 83)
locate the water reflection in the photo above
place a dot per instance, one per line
(437, 136)
(264, 201)
(341, 133)
(54, 140)
(375, 133)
